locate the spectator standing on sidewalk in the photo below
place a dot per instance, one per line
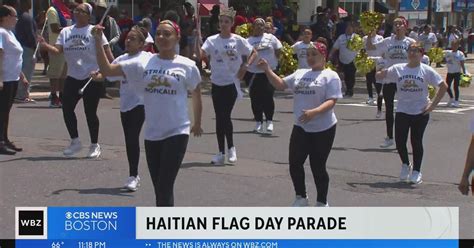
(25, 32)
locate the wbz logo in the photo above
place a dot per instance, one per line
(31, 223)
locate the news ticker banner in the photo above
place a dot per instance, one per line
(262, 227)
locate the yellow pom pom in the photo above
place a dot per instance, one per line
(370, 21)
(465, 81)
(436, 54)
(244, 30)
(288, 64)
(363, 63)
(355, 43)
(432, 91)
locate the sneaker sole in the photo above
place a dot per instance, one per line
(132, 189)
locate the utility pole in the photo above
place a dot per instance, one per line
(371, 5)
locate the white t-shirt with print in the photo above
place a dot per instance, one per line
(427, 40)
(412, 86)
(311, 89)
(300, 49)
(79, 50)
(226, 57)
(130, 97)
(12, 56)
(346, 56)
(453, 60)
(376, 39)
(395, 51)
(266, 45)
(165, 85)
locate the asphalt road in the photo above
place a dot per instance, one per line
(361, 173)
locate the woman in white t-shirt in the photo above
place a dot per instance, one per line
(132, 111)
(227, 54)
(300, 48)
(370, 77)
(164, 80)
(394, 50)
(316, 91)
(261, 91)
(346, 58)
(413, 107)
(78, 46)
(455, 63)
(10, 61)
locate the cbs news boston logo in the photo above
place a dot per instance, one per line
(31, 223)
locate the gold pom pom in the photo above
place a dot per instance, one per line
(465, 81)
(288, 64)
(244, 30)
(370, 21)
(436, 54)
(363, 63)
(355, 43)
(431, 91)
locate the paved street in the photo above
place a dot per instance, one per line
(361, 173)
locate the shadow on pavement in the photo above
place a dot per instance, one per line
(364, 120)
(384, 185)
(36, 107)
(44, 158)
(191, 165)
(384, 150)
(118, 191)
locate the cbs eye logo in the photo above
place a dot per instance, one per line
(30, 223)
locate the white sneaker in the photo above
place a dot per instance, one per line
(415, 177)
(73, 148)
(94, 151)
(455, 104)
(258, 127)
(450, 102)
(300, 201)
(232, 155)
(371, 102)
(405, 172)
(378, 115)
(387, 143)
(320, 204)
(218, 159)
(132, 183)
(269, 126)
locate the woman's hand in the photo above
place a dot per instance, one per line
(197, 130)
(263, 64)
(464, 185)
(428, 109)
(97, 31)
(307, 115)
(242, 71)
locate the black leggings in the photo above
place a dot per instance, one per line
(389, 91)
(223, 99)
(317, 146)
(7, 94)
(449, 79)
(370, 77)
(349, 71)
(416, 124)
(132, 122)
(164, 158)
(91, 98)
(261, 96)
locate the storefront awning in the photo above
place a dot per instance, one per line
(342, 12)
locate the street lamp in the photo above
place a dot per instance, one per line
(430, 14)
